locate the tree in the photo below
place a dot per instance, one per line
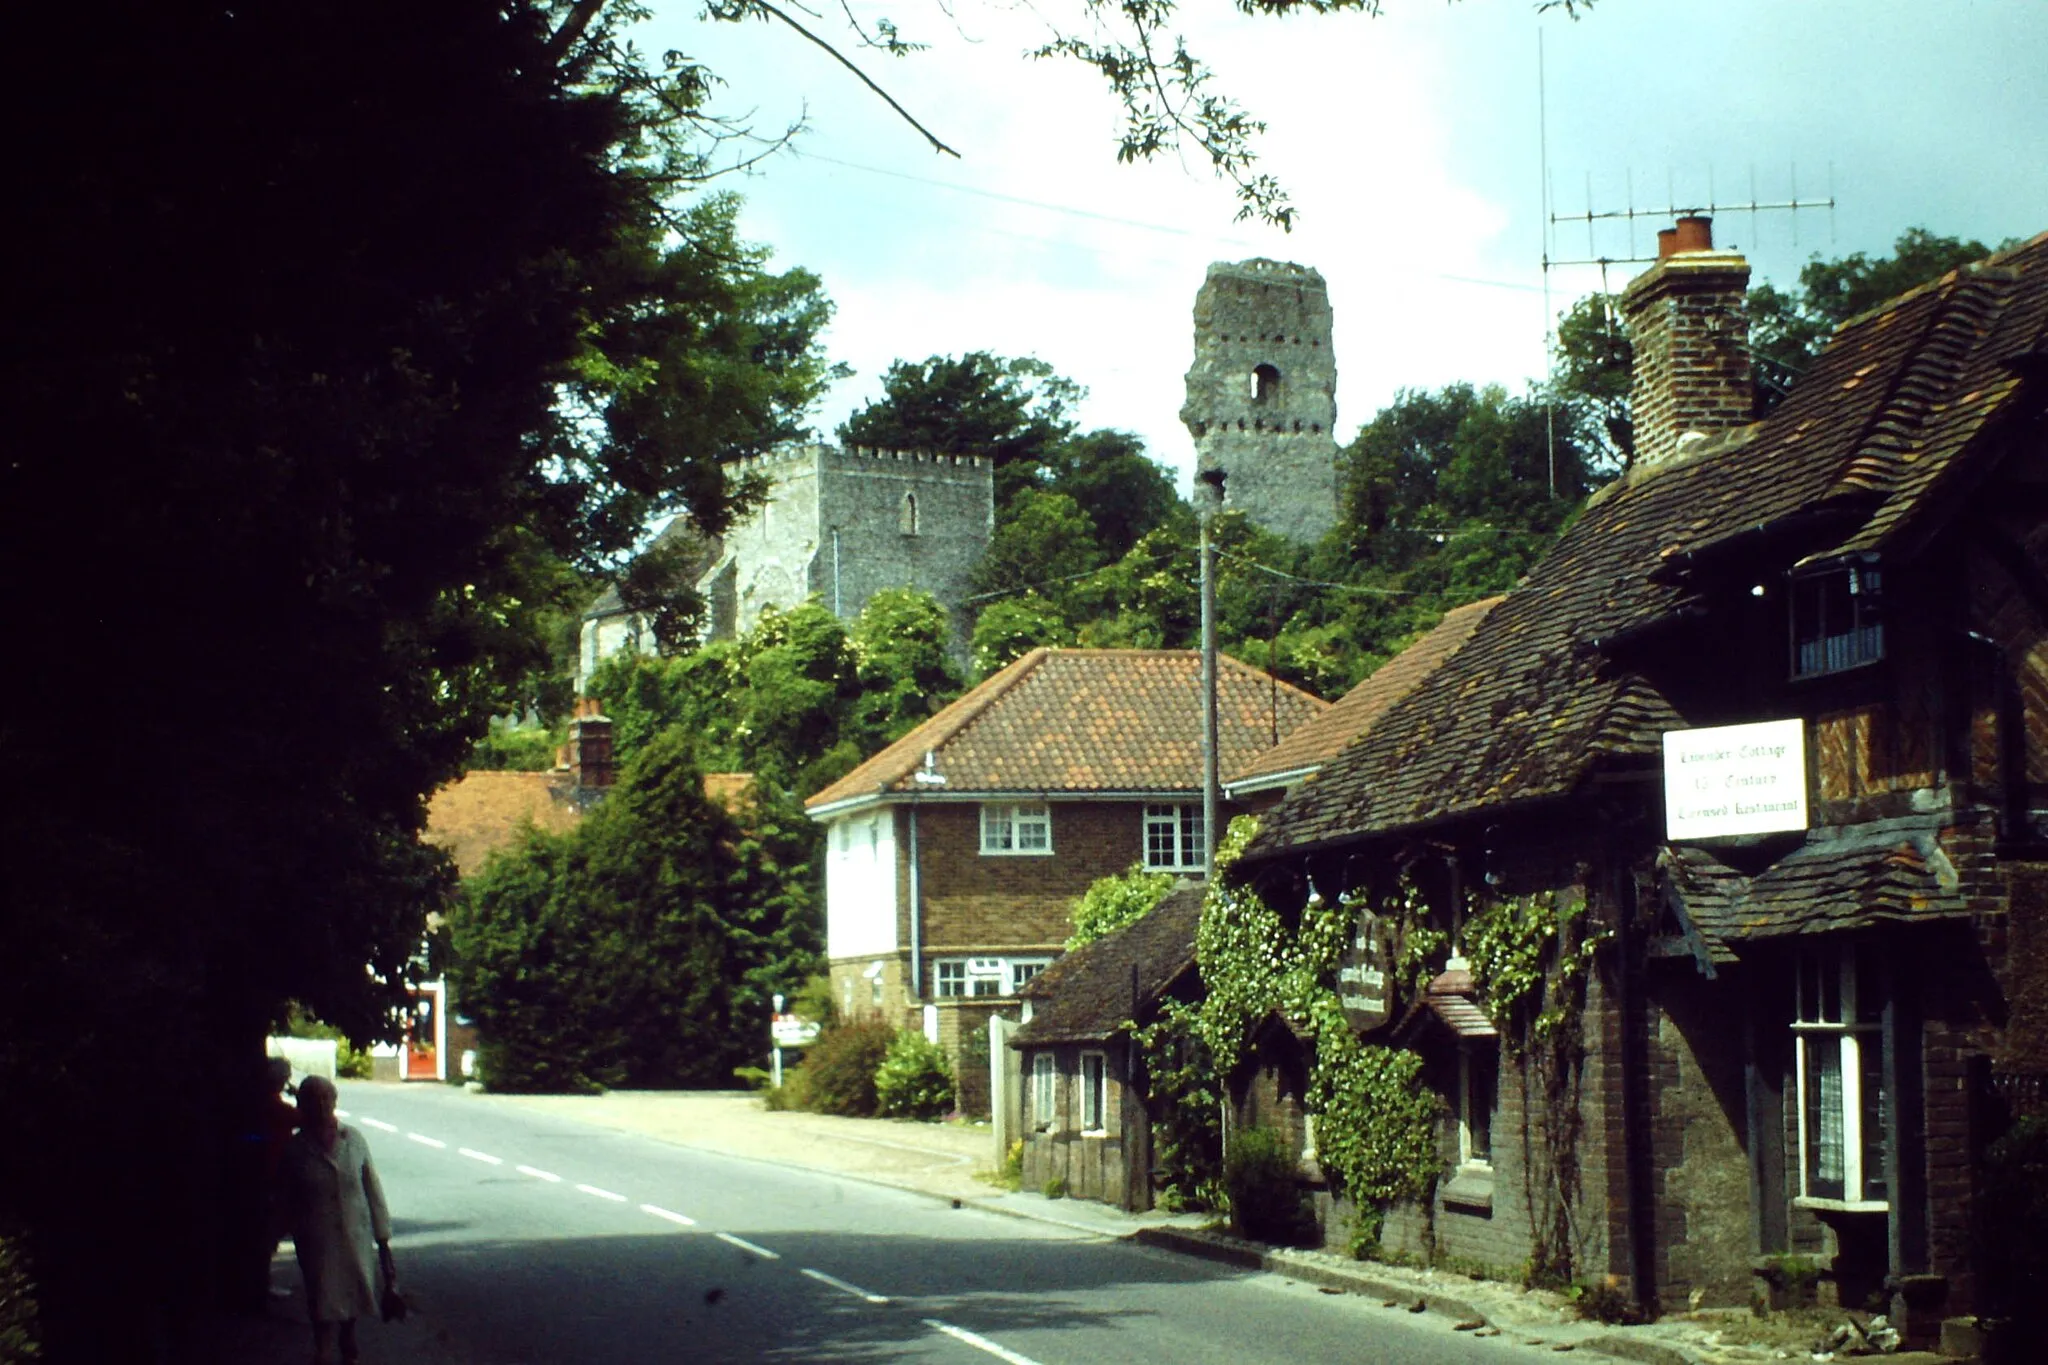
(799, 699)
(1011, 627)
(1012, 411)
(1787, 331)
(1046, 542)
(1124, 491)
(312, 415)
(642, 947)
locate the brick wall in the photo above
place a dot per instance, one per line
(985, 903)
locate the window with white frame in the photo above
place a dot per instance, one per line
(1478, 1092)
(1023, 969)
(1838, 1030)
(983, 976)
(1045, 1080)
(1012, 828)
(1094, 1092)
(1173, 837)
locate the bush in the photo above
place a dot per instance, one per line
(1055, 1188)
(17, 1306)
(2015, 1204)
(839, 1069)
(913, 1081)
(1261, 1178)
(1604, 1301)
(351, 1063)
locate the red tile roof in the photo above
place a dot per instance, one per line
(481, 812)
(1086, 720)
(1329, 734)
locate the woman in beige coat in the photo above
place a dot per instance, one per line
(340, 1227)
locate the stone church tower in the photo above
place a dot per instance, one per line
(1262, 394)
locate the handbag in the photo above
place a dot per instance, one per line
(391, 1304)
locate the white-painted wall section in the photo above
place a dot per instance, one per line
(860, 885)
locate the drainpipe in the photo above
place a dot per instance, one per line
(916, 915)
(835, 572)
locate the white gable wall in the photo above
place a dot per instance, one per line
(860, 885)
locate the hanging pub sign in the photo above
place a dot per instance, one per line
(1735, 779)
(1362, 975)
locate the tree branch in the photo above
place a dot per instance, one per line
(764, 7)
(572, 28)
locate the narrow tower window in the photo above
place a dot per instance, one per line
(1265, 384)
(907, 518)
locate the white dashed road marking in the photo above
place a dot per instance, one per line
(602, 1194)
(548, 1176)
(680, 1219)
(843, 1287)
(484, 1157)
(980, 1343)
(380, 1125)
(423, 1140)
(744, 1245)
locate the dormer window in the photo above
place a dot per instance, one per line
(1836, 622)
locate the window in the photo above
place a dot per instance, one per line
(1478, 1092)
(1094, 1092)
(1835, 620)
(1838, 1028)
(907, 517)
(1265, 384)
(1044, 1092)
(955, 977)
(1015, 829)
(1173, 837)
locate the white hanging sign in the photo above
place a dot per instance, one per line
(1735, 779)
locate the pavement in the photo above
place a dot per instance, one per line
(955, 1162)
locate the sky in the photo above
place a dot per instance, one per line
(1414, 145)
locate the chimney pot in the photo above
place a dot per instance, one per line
(1695, 232)
(1667, 242)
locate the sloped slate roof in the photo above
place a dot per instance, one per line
(1086, 995)
(1830, 883)
(1867, 448)
(1323, 738)
(1086, 720)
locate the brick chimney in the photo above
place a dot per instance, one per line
(1687, 322)
(590, 746)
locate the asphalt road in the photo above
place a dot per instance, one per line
(536, 1240)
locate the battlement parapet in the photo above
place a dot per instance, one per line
(819, 454)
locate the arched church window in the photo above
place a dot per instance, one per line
(907, 515)
(1265, 384)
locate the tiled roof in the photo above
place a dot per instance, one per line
(1086, 995)
(1863, 455)
(1086, 720)
(481, 812)
(1832, 882)
(1323, 738)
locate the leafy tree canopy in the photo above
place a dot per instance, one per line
(642, 947)
(1110, 903)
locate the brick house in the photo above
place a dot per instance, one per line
(954, 856)
(1797, 1040)
(1086, 1120)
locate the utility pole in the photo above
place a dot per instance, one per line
(1210, 497)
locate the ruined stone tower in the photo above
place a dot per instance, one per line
(1262, 394)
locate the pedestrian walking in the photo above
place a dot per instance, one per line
(340, 1226)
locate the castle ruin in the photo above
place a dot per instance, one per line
(839, 524)
(1262, 394)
